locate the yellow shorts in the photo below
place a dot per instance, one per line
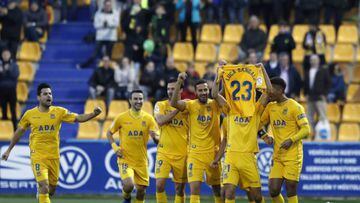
(198, 163)
(46, 169)
(289, 170)
(241, 169)
(139, 174)
(176, 164)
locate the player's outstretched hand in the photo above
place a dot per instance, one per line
(5, 156)
(286, 144)
(214, 164)
(182, 76)
(97, 110)
(222, 62)
(268, 140)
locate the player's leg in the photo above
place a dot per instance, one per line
(180, 192)
(275, 190)
(41, 174)
(250, 198)
(255, 193)
(162, 170)
(127, 176)
(213, 178)
(141, 180)
(230, 175)
(229, 193)
(195, 191)
(291, 190)
(54, 170)
(140, 193)
(180, 178)
(217, 193)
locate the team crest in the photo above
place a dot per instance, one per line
(52, 116)
(143, 123)
(285, 111)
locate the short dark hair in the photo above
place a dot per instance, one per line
(278, 81)
(42, 86)
(135, 91)
(199, 82)
(174, 80)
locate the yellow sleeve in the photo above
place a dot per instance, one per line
(225, 126)
(152, 124)
(159, 109)
(115, 125)
(265, 117)
(302, 122)
(260, 79)
(68, 116)
(24, 122)
(188, 105)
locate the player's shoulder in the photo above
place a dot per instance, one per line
(271, 104)
(124, 114)
(161, 103)
(146, 115)
(31, 111)
(295, 104)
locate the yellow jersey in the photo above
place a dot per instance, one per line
(242, 131)
(173, 135)
(225, 127)
(134, 131)
(204, 122)
(240, 84)
(45, 127)
(285, 120)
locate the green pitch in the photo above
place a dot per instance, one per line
(107, 199)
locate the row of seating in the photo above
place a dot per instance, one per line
(116, 107)
(233, 33)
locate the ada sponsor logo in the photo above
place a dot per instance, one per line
(264, 159)
(75, 167)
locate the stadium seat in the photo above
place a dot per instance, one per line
(267, 52)
(7, 130)
(351, 113)
(200, 67)
(22, 91)
(263, 27)
(329, 32)
(18, 111)
(334, 132)
(274, 30)
(353, 93)
(299, 32)
(89, 130)
(44, 38)
(188, 35)
(233, 33)
(117, 51)
(349, 132)
(356, 75)
(51, 14)
(348, 34)
(183, 52)
(29, 51)
(329, 54)
(148, 107)
(117, 107)
(298, 54)
(333, 113)
(211, 33)
(24, 5)
(228, 52)
(27, 71)
(205, 52)
(181, 66)
(105, 128)
(343, 53)
(92, 103)
(358, 54)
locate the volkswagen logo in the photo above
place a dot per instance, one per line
(75, 167)
(264, 159)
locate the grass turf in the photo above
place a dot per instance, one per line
(106, 199)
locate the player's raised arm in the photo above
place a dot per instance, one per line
(215, 90)
(266, 77)
(175, 99)
(160, 117)
(14, 140)
(85, 117)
